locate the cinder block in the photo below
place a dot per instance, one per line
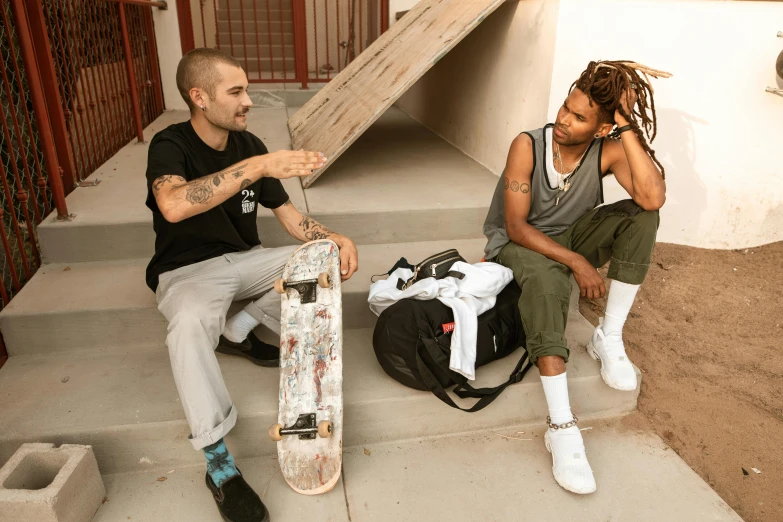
(43, 483)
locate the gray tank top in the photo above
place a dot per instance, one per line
(586, 193)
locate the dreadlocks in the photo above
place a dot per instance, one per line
(604, 82)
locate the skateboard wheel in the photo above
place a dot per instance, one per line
(324, 281)
(274, 431)
(325, 429)
(280, 286)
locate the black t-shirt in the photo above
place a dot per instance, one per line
(229, 227)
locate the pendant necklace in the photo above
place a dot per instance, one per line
(564, 179)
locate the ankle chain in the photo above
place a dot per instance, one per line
(563, 426)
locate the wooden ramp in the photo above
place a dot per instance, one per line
(335, 117)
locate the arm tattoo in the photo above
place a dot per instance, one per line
(313, 229)
(199, 192)
(158, 183)
(515, 186)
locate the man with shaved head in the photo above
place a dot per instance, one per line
(205, 180)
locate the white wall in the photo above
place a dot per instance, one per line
(719, 132)
(493, 85)
(169, 53)
(396, 6)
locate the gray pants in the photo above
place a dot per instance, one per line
(195, 300)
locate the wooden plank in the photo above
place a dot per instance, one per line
(335, 117)
(311, 370)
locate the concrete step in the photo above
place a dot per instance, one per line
(238, 37)
(107, 307)
(263, 50)
(277, 98)
(398, 182)
(126, 405)
(283, 67)
(235, 26)
(465, 478)
(260, 14)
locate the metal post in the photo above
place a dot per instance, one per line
(384, 16)
(185, 18)
(131, 74)
(300, 41)
(43, 53)
(39, 108)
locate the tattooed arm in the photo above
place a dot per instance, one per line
(180, 199)
(516, 182)
(306, 228)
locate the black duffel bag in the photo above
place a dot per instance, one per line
(412, 342)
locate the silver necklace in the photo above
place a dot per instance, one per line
(564, 179)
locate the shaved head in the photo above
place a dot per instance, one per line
(199, 69)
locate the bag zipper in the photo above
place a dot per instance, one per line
(434, 266)
(431, 258)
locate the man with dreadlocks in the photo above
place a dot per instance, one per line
(545, 223)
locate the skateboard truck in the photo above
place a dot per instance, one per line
(305, 426)
(306, 289)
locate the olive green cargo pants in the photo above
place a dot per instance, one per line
(622, 233)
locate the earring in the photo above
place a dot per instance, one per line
(596, 136)
(203, 108)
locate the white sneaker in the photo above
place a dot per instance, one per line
(616, 369)
(569, 460)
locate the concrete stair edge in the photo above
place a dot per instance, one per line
(377, 409)
(66, 307)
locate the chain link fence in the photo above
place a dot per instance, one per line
(25, 198)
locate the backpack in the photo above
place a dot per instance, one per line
(412, 341)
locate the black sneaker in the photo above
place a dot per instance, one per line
(237, 502)
(253, 349)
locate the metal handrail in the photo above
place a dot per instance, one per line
(162, 4)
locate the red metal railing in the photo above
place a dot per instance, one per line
(106, 75)
(73, 75)
(283, 41)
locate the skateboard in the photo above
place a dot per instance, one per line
(309, 429)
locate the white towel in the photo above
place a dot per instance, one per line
(468, 297)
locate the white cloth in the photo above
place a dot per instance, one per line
(468, 297)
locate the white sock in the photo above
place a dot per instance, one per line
(618, 304)
(556, 392)
(239, 326)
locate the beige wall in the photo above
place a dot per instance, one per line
(169, 53)
(493, 85)
(719, 131)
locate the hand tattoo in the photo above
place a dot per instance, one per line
(505, 182)
(245, 183)
(314, 230)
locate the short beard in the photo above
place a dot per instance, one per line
(228, 124)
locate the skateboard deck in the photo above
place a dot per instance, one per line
(310, 417)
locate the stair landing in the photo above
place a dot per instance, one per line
(489, 476)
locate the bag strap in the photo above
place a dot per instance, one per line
(463, 390)
(401, 263)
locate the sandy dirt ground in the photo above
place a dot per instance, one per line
(706, 332)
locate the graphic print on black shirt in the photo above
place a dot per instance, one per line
(229, 227)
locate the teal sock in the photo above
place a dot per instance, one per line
(220, 463)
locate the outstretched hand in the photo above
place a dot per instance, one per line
(291, 163)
